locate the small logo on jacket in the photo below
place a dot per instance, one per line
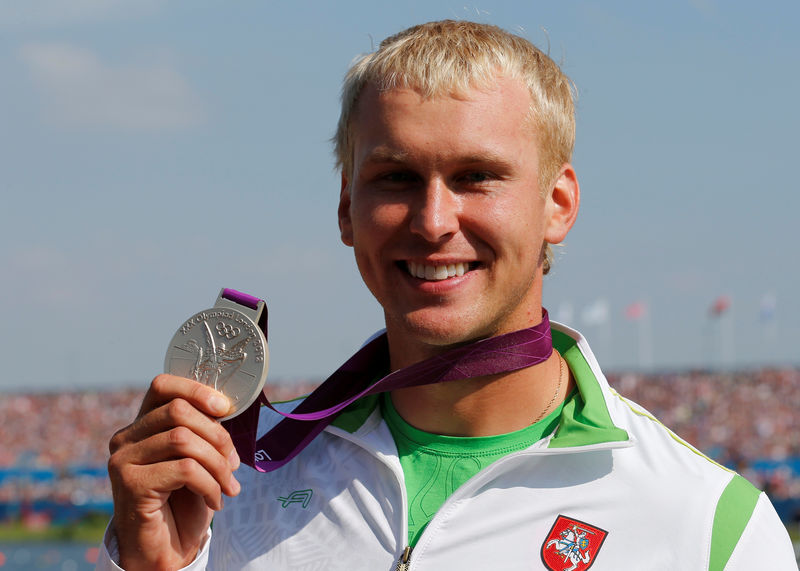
(572, 545)
(297, 497)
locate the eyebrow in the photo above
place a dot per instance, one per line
(383, 155)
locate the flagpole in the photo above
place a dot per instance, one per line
(645, 341)
(721, 313)
(639, 311)
(768, 323)
(727, 332)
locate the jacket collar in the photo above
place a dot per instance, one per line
(585, 419)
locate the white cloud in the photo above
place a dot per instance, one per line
(81, 90)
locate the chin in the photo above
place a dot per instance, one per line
(442, 331)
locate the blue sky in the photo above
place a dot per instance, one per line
(153, 152)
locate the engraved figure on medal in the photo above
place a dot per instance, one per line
(215, 364)
(224, 349)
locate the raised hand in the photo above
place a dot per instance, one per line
(169, 470)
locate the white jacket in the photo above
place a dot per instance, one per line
(626, 493)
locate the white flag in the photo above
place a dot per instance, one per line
(596, 313)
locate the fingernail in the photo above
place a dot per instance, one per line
(218, 404)
(233, 459)
(235, 486)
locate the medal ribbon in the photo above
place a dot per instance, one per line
(355, 379)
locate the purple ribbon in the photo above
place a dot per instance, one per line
(355, 379)
(244, 299)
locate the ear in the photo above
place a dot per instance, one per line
(563, 202)
(345, 222)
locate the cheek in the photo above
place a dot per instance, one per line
(521, 220)
(373, 228)
(379, 219)
(504, 224)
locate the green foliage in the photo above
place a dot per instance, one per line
(89, 529)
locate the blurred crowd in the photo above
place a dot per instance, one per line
(747, 420)
(54, 449)
(54, 446)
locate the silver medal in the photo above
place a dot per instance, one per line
(223, 348)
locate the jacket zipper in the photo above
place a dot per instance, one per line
(403, 564)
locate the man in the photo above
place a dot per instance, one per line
(454, 145)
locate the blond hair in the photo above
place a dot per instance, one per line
(450, 58)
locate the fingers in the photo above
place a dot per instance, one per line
(144, 486)
(152, 484)
(174, 443)
(181, 443)
(165, 388)
(169, 469)
(177, 412)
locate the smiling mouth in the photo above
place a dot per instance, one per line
(438, 272)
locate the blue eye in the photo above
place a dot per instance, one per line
(477, 177)
(397, 177)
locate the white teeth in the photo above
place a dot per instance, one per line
(437, 273)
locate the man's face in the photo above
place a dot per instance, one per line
(445, 214)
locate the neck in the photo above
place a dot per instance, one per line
(486, 406)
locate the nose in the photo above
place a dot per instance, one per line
(435, 212)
